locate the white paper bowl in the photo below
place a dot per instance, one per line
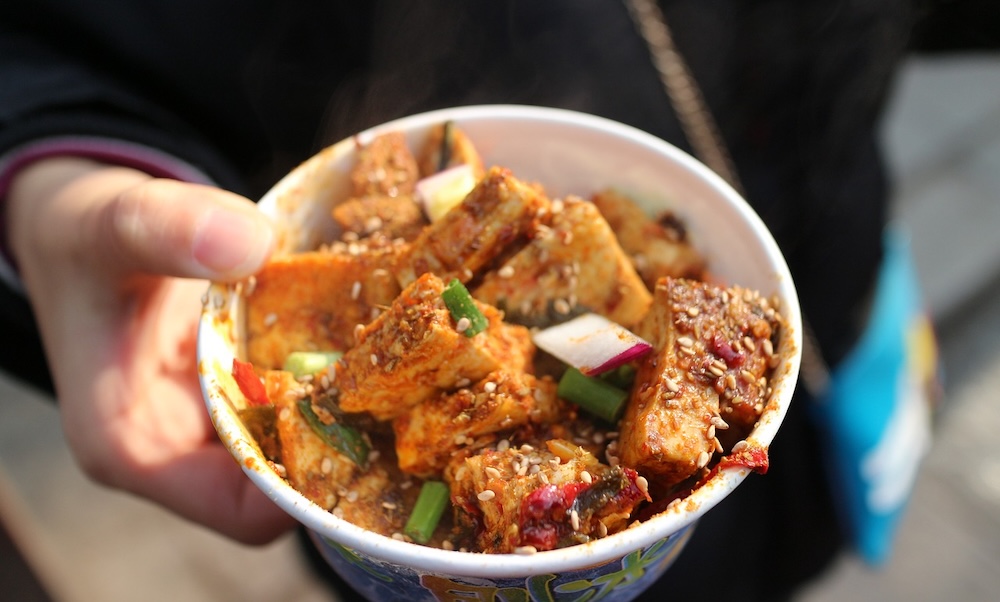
(567, 152)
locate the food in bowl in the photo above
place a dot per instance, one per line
(470, 364)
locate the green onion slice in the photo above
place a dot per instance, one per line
(433, 499)
(345, 439)
(459, 302)
(305, 363)
(595, 395)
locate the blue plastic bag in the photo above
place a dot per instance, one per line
(876, 411)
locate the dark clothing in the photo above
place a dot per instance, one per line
(247, 89)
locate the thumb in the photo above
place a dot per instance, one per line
(185, 230)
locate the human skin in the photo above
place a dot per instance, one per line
(113, 262)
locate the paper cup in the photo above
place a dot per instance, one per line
(569, 153)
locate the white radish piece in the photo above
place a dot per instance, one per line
(440, 192)
(591, 343)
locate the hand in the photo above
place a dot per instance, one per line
(108, 256)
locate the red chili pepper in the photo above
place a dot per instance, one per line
(249, 383)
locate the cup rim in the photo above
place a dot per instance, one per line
(424, 558)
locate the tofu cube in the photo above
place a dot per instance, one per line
(413, 351)
(575, 260)
(313, 302)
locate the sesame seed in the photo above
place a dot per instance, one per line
(602, 529)
(718, 445)
(710, 433)
(768, 347)
(693, 311)
(671, 385)
(486, 495)
(525, 550)
(374, 359)
(506, 271)
(462, 382)
(740, 446)
(447, 545)
(489, 386)
(685, 341)
(719, 423)
(398, 536)
(574, 520)
(544, 478)
(326, 465)
(643, 484)
(557, 206)
(270, 319)
(748, 376)
(503, 445)
(463, 324)
(715, 370)
(703, 459)
(352, 496)
(561, 306)
(355, 290)
(389, 505)
(492, 472)
(749, 344)
(374, 455)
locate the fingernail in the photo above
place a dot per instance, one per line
(226, 242)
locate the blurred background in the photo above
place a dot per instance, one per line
(66, 539)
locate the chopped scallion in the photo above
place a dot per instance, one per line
(461, 305)
(433, 499)
(341, 437)
(595, 395)
(304, 363)
(622, 377)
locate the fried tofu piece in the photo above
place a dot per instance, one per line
(313, 301)
(391, 217)
(490, 222)
(312, 467)
(574, 264)
(449, 140)
(385, 167)
(658, 248)
(527, 496)
(413, 351)
(712, 350)
(373, 502)
(432, 432)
